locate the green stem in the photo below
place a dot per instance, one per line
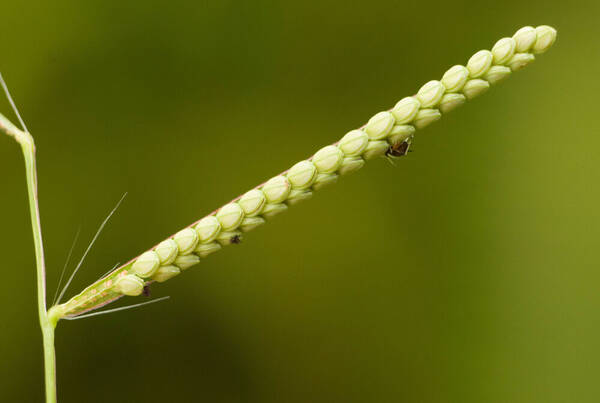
(46, 323)
(49, 361)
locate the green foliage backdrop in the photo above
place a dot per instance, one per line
(467, 273)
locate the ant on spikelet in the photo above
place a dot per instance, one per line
(398, 150)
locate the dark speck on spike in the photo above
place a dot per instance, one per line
(398, 149)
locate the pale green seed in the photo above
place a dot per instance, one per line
(229, 237)
(545, 38)
(400, 133)
(379, 125)
(252, 202)
(450, 102)
(230, 216)
(524, 38)
(351, 164)
(249, 223)
(302, 174)
(375, 149)
(208, 228)
(503, 50)
(474, 88)
(520, 60)
(146, 264)
(187, 261)
(298, 195)
(272, 210)
(354, 143)
(205, 249)
(129, 285)
(328, 159)
(455, 78)
(167, 251)
(186, 240)
(277, 189)
(406, 110)
(324, 180)
(496, 74)
(430, 94)
(479, 63)
(165, 273)
(425, 117)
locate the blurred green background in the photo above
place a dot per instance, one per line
(466, 273)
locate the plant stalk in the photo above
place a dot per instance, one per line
(47, 323)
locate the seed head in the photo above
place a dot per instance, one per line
(385, 134)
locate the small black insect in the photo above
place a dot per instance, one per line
(398, 149)
(236, 239)
(146, 291)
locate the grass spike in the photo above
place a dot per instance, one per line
(387, 134)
